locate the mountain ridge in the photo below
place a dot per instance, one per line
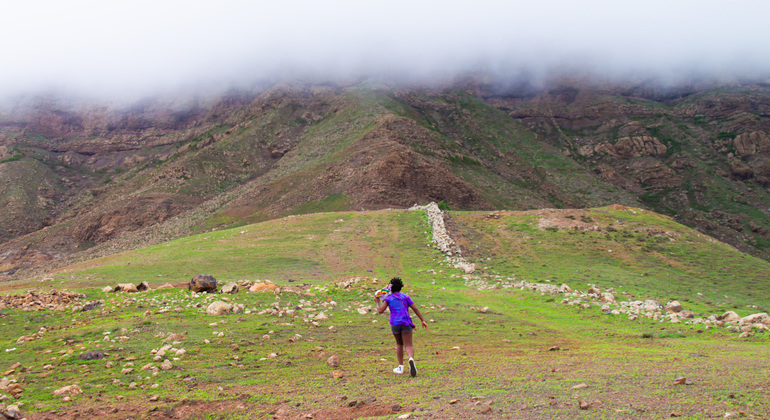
(698, 156)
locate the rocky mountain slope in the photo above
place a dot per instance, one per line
(80, 179)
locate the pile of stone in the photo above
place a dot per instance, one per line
(205, 283)
(443, 241)
(35, 301)
(128, 288)
(672, 311)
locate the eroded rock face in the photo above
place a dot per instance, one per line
(638, 146)
(627, 147)
(203, 283)
(651, 173)
(751, 144)
(740, 170)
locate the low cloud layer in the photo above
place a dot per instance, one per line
(134, 48)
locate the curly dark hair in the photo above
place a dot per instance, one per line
(396, 284)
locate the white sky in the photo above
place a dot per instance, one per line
(115, 46)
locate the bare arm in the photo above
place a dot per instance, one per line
(419, 315)
(381, 306)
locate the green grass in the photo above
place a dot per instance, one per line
(669, 262)
(468, 354)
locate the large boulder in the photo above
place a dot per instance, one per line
(143, 286)
(218, 308)
(203, 283)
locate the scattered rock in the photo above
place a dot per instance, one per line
(165, 286)
(91, 305)
(174, 337)
(37, 301)
(337, 374)
(729, 316)
(681, 380)
(143, 286)
(92, 355)
(218, 308)
(203, 283)
(583, 405)
(107, 289)
(595, 290)
(761, 318)
(580, 386)
(554, 348)
(70, 390)
(166, 365)
(12, 412)
(230, 288)
(267, 285)
(485, 408)
(650, 305)
(333, 361)
(674, 306)
(126, 288)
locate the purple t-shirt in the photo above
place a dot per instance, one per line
(399, 304)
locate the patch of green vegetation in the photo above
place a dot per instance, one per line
(13, 158)
(488, 341)
(333, 203)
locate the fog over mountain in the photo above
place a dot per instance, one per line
(144, 46)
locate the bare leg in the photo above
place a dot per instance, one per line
(406, 338)
(400, 347)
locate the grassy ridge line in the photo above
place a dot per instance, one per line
(313, 249)
(637, 252)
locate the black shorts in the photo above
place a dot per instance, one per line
(398, 329)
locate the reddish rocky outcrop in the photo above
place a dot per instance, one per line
(750, 144)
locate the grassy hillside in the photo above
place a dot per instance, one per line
(487, 348)
(631, 250)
